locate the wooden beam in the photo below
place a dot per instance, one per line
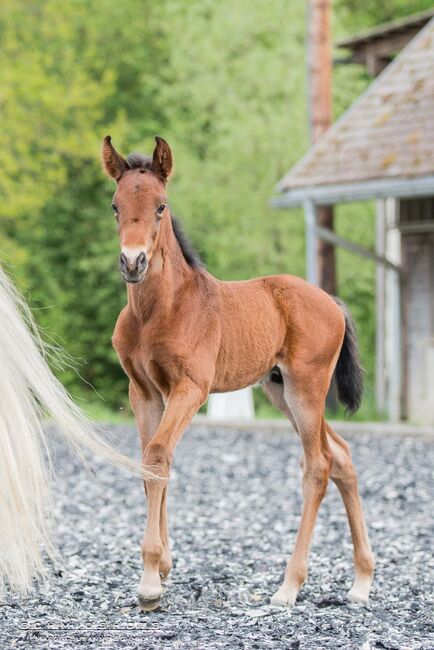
(417, 227)
(380, 309)
(319, 67)
(362, 190)
(377, 53)
(311, 243)
(394, 348)
(334, 239)
(319, 79)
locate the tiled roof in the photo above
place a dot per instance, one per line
(388, 133)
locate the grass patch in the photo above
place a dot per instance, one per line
(98, 411)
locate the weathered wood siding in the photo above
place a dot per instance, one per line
(417, 225)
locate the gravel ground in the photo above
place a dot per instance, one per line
(234, 506)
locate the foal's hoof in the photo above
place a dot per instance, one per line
(283, 598)
(149, 597)
(148, 605)
(359, 592)
(149, 591)
(358, 596)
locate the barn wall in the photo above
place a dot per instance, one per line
(417, 228)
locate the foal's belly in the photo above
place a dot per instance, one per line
(230, 382)
(248, 352)
(242, 368)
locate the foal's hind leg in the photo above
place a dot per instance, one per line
(274, 390)
(315, 479)
(305, 407)
(344, 475)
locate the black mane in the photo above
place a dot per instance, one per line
(190, 255)
(139, 161)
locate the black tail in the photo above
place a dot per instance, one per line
(349, 372)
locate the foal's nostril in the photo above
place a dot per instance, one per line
(141, 262)
(123, 262)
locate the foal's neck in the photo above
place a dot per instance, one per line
(167, 273)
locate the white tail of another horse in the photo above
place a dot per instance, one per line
(28, 391)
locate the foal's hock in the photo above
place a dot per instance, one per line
(184, 334)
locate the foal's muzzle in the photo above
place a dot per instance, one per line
(133, 269)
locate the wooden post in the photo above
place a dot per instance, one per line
(311, 242)
(319, 74)
(380, 309)
(393, 313)
(319, 67)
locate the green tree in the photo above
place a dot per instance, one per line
(223, 82)
(233, 92)
(355, 15)
(76, 71)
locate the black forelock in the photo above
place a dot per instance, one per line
(139, 161)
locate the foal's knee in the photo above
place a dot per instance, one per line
(158, 458)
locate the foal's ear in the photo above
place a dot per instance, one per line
(162, 163)
(113, 163)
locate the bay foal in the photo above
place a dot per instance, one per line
(185, 334)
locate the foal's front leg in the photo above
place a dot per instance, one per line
(148, 411)
(183, 402)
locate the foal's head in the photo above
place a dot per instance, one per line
(139, 203)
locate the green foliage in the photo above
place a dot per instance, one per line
(223, 82)
(76, 71)
(356, 16)
(231, 110)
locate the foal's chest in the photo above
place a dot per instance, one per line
(150, 361)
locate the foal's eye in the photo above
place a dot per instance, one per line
(114, 208)
(160, 209)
